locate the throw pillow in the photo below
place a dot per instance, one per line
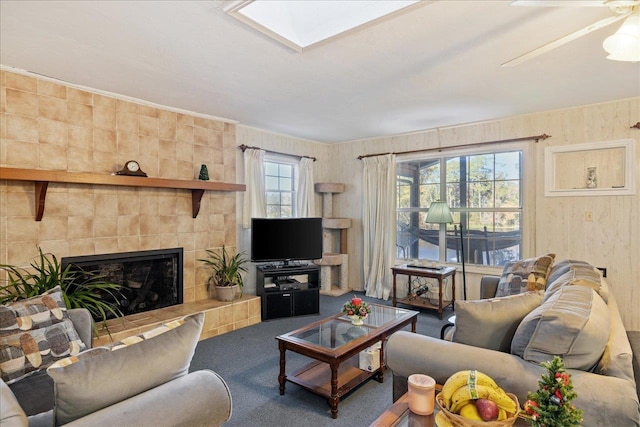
(34, 333)
(525, 275)
(572, 324)
(123, 369)
(580, 274)
(491, 323)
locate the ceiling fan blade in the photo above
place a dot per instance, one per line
(559, 3)
(566, 39)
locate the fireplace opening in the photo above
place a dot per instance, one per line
(149, 279)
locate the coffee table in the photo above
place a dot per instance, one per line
(334, 344)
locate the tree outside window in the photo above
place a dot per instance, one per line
(484, 194)
(279, 185)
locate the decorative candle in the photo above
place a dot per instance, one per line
(422, 390)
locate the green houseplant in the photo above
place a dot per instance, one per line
(79, 290)
(227, 269)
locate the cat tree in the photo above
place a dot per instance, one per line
(335, 261)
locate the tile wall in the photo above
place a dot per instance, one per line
(52, 126)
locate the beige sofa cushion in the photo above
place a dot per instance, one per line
(125, 369)
(578, 274)
(525, 275)
(573, 323)
(491, 323)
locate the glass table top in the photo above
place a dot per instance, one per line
(338, 331)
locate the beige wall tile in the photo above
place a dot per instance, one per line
(78, 95)
(52, 157)
(128, 225)
(79, 247)
(18, 203)
(80, 227)
(21, 128)
(105, 226)
(48, 88)
(21, 154)
(79, 159)
(128, 243)
(105, 140)
(167, 128)
(126, 106)
(127, 122)
(53, 132)
(168, 168)
(146, 110)
(215, 140)
(57, 204)
(81, 204)
(106, 205)
(201, 136)
(185, 152)
(21, 82)
(185, 134)
(184, 119)
(104, 162)
(80, 137)
(148, 125)
(168, 240)
(104, 118)
(128, 204)
(52, 108)
(21, 229)
(79, 114)
(104, 101)
(52, 228)
(149, 242)
(106, 245)
(149, 225)
(23, 103)
(167, 149)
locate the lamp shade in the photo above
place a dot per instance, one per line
(624, 45)
(439, 213)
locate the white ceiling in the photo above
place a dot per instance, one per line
(437, 65)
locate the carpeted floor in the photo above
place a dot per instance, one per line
(248, 360)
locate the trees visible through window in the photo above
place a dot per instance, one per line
(279, 186)
(484, 192)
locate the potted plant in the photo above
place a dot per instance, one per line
(79, 290)
(226, 278)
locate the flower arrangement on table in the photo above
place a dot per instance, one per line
(356, 309)
(551, 406)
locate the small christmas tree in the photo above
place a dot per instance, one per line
(204, 173)
(551, 406)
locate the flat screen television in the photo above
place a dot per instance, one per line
(286, 239)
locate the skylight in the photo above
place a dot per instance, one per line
(301, 24)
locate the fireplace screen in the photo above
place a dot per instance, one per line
(149, 279)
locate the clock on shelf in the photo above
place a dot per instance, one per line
(131, 168)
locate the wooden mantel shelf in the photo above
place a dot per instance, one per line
(42, 178)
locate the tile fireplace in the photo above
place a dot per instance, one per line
(150, 279)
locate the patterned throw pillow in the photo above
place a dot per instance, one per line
(525, 275)
(34, 333)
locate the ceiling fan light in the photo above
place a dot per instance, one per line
(624, 45)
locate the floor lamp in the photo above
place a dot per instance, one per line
(439, 213)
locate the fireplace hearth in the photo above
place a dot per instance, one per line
(149, 279)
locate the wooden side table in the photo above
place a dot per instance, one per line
(434, 273)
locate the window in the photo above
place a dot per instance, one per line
(484, 192)
(279, 179)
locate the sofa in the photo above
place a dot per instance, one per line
(566, 309)
(141, 381)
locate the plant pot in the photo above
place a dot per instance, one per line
(227, 293)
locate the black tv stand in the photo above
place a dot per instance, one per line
(283, 296)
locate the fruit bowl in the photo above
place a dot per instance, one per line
(459, 421)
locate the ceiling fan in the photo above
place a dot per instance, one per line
(629, 9)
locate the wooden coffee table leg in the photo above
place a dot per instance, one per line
(282, 378)
(334, 399)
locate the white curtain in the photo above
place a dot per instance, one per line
(305, 196)
(255, 203)
(378, 221)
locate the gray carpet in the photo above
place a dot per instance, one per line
(248, 360)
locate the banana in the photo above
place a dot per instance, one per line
(502, 414)
(442, 420)
(497, 395)
(457, 407)
(461, 378)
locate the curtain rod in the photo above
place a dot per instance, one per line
(244, 147)
(536, 138)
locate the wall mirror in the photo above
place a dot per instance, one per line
(593, 169)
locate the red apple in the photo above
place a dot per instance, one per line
(487, 409)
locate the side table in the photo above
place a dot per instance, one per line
(434, 273)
